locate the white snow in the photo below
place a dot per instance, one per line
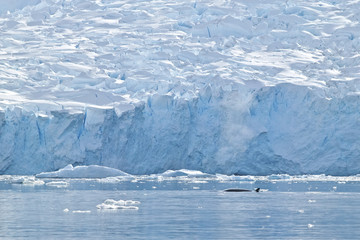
(247, 87)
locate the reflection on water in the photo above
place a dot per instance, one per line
(179, 209)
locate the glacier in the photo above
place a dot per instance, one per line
(230, 87)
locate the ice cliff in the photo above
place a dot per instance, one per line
(234, 87)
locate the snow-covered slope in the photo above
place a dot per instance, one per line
(247, 87)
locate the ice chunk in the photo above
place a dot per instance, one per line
(58, 184)
(121, 204)
(81, 211)
(92, 171)
(186, 173)
(33, 182)
(310, 225)
(25, 180)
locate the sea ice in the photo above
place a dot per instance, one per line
(57, 184)
(25, 180)
(121, 204)
(185, 173)
(81, 211)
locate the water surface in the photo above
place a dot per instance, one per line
(179, 209)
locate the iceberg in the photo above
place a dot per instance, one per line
(92, 171)
(228, 87)
(110, 204)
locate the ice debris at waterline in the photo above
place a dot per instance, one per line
(66, 210)
(81, 211)
(58, 184)
(109, 175)
(185, 173)
(232, 87)
(25, 180)
(92, 171)
(121, 204)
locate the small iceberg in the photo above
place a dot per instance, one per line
(81, 211)
(121, 204)
(92, 171)
(24, 180)
(58, 184)
(186, 173)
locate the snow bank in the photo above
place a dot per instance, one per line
(245, 87)
(92, 171)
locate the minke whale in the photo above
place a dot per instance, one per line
(241, 190)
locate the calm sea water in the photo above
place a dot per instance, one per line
(180, 210)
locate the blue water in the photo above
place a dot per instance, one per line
(181, 210)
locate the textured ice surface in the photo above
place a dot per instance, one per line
(246, 87)
(7, 6)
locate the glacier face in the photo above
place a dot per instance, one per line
(245, 87)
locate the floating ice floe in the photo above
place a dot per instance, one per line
(81, 211)
(33, 182)
(186, 173)
(92, 171)
(58, 184)
(121, 204)
(287, 178)
(112, 175)
(66, 210)
(24, 180)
